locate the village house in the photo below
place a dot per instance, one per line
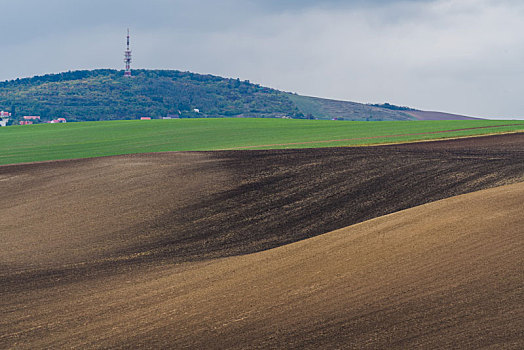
(4, 118)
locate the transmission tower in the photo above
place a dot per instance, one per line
(127, 58)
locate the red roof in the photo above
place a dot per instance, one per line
(145, 118)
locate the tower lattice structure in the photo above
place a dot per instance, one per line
(127, 58)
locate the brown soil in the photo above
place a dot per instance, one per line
(126, 251)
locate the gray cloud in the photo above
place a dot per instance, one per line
(460, 56)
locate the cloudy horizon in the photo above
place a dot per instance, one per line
(453, 56)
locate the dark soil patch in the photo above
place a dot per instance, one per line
(68, 219)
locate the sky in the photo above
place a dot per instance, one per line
(458, 56)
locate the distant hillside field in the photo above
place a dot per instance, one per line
(426, 115)
(92, 139)
(329, 109)
(106, 94)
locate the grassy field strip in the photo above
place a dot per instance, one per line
(369, 138)
(94, 139)
(387, 140)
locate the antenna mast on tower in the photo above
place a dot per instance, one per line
(127, 58)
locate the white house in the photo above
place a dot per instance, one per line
(4, 118)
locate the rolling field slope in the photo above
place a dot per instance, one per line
(327, 109)
(443, 275)
(225, 249)
(83, 140)
(96, 213)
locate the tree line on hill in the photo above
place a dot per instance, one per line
(105, 94)
(108, 95)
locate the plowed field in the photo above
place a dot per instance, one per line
(160, 249)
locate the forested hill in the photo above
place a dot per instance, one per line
(107, 95)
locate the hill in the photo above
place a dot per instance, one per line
(175, 249)
(106, 95)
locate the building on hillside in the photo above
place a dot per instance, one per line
(31, 117)
(26, 122)
(145, 118)
(4, 118)
(58, 120)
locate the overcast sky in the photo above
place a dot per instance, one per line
(460, 56)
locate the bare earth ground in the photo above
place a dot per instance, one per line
(139, 250)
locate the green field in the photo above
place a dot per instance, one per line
(91, 139)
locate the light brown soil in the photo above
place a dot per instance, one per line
(443, 275)
(132, 251)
